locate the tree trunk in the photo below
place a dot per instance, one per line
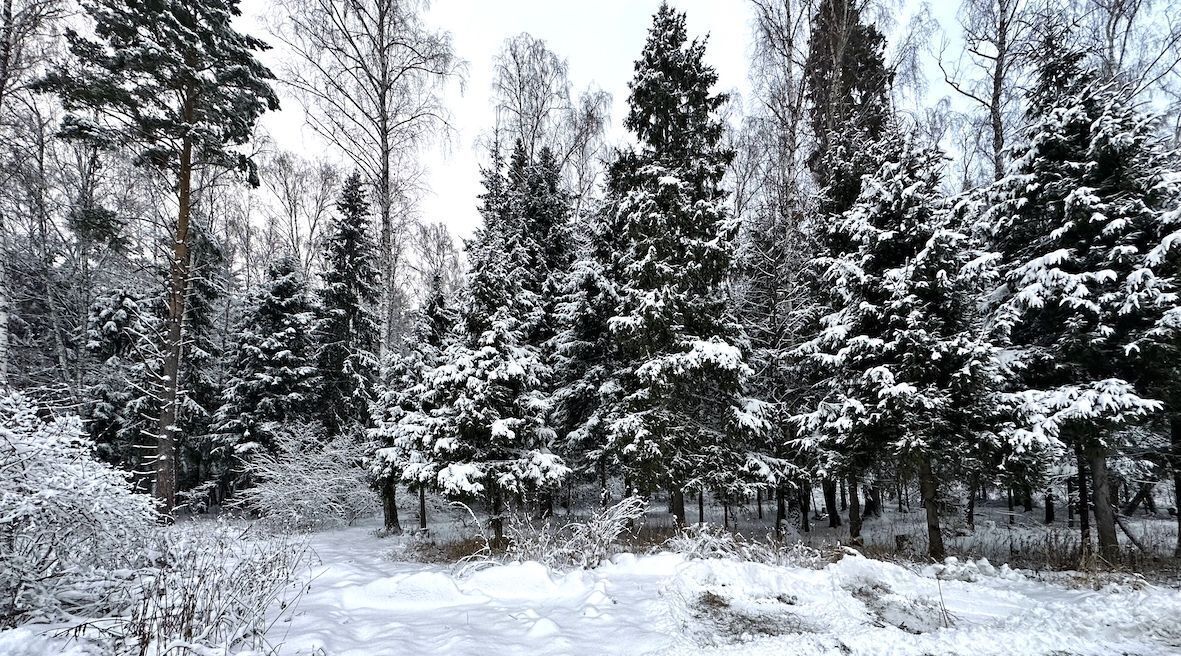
(931, 503)
(701, 506)
(178, 281)
(422, 508)
(389, 505)
(604, 492)
(830, 502)
(854, 510)
(1104, 512)
(780, 512)
(1070, 504)
(677, 498)
(1027, 497)
(1142, 494)
(1083, 500)
(1175, 433)
(805, 493)
(970, 513)
(1049, 507)
(1012, 510)
(759, 501)
(497, 518)
(844, 497)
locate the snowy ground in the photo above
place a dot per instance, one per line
(367, 596)
(364, 602)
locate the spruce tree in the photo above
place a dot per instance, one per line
(907, 375)
(1083, 229)
(848, 85)
(404, 403)
(272, 378)
(680, 419)
(346, 329)
(176, 85)
(482, 431)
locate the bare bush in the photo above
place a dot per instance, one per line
(580, 544)
(309, 481)
(706, 541)
(70, 526)
(212, 588)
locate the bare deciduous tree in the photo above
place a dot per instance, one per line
(369, 74)
(996, 36)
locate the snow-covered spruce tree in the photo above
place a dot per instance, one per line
(482, 430)
(848, 87)
(179, 87)
(1084, 227)
(404, 405)
(680, 420)
(272, 377)
(584, 351)
(346, 329)
(908, 377)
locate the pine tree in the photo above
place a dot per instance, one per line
(272, 378)
(346, 330)
(680, 419)
(908, 377)
(1084, 233)
(177, 85)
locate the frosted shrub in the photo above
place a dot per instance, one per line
(581, 544)
(309, 481)
(212, 587)
(70, 526)
(706, 541)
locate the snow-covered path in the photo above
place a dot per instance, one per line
(364, 602)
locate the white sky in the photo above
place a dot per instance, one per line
(600, 39)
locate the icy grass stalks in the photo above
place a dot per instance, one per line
(208, 591)
(309, 481)
(577, 544)
(705, 541)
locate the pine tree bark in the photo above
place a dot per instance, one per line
(929, 489)
(805, 507)
(1104, 511)
(389, 506)
(178, 280)
(1083, 501)
(780, 512)
(829, 486)
(422, 508)
(1175, 434)
(1142, 494)
(854, 510)
(1049, 507)
(677, 499)
(701, 506)
(1070, 505)
(970, 513)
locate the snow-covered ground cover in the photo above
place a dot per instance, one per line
(363, 600)
(695, 594)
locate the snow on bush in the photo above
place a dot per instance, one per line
(70, 526)
(211, 589)
(581, 544)
(310, 481)
(705, 541)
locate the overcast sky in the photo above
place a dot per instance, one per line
(600, 40)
